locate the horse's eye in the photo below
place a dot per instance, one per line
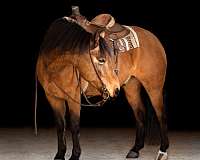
(101, 60)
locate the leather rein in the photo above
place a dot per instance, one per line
(103, 90)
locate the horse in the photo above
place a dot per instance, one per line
(69, 58)
(141, 67)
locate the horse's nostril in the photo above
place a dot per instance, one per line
(116, 92)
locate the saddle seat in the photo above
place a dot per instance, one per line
(103, 20)
(113, 30)
(118, 37)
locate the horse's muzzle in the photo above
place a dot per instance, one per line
(106, 94)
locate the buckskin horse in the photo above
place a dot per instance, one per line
(139, 60)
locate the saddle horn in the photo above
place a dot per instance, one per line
(75, 10)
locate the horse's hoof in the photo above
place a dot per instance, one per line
(57, 157)
(132, 154)
(162, 156)
(74, 158)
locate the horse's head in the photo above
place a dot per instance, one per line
(97, 67)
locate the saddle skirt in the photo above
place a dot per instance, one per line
(127, 42)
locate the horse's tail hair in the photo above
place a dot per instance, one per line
(35, 107)
(152, 131)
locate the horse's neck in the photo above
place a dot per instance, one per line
(56, 63)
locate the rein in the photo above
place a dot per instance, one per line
(98, 104)
(104, 91)
(90, 104)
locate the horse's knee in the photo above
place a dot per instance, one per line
(140, 117)
(74, 123)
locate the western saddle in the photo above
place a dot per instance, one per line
(115, 30)
(112, 29)
(122, 37)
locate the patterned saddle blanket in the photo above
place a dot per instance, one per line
(127, 42)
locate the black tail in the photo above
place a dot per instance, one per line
(152, 136)
(35, 112)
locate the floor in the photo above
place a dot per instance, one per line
(97, 144)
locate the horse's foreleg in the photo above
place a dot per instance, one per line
(132, 92)
(156, 97)
(59, 108)
(74, 111)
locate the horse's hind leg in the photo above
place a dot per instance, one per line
(59, 108)
(156, 96)
(132, 91)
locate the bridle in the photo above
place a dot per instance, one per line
(103, 90)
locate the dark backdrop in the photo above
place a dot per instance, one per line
(25, 24)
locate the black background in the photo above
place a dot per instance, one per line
(25, 23)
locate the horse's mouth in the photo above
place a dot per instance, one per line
(106, 94)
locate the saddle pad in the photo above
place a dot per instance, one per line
(128, 42)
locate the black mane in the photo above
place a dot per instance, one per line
(66, 35)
